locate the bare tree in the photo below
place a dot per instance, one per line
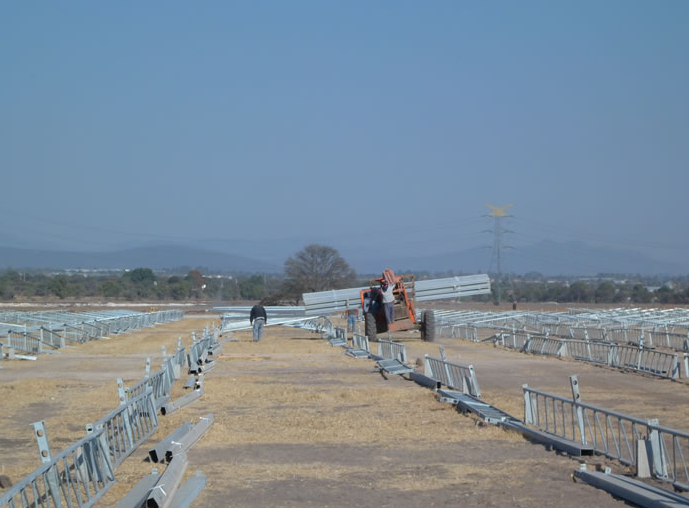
(316, 268)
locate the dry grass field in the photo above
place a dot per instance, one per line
(297, 423)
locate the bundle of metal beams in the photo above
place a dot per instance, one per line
(273, 311)
(233, 323)
(327, 302)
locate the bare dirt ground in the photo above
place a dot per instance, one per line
(297, 423)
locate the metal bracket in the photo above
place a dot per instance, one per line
(576, 398)
(42, 439)
(121, 393)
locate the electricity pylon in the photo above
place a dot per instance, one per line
(498, 213)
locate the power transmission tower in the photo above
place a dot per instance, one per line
(498, 212)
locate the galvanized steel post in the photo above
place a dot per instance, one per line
(528, 410)
(576, 398)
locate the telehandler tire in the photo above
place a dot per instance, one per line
(370, 327)
(428, 326)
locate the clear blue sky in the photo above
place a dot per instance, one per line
(351, 123)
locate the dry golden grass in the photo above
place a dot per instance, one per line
(294, 389)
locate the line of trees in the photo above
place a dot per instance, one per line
(314, 268)
(590, 292)
(137, 284)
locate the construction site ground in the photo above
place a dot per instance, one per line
(298, 423)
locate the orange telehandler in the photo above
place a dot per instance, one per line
(405, 313)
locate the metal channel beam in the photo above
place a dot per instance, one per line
(191, 488)
(426, 381)
(570, 447)
(631, 490)
(452, 287)
(468, 404)
(184, 400)
(163, 492)
(392, 366)
(326, 302)
(157, 453)
(139, 492)
(187, 440)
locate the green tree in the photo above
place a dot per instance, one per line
(59, 287)
(623, 294)
(229, 289)
(196, 279)
(316, 268)
(665, 295)
(578, 292)
(141, 275)
(109, 289)
(251, 288)
(640, 294)
(139, 283)
(555, 293)
(180, 289)
(605, 292)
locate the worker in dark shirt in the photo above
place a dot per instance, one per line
(258, 319)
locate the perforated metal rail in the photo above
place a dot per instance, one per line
(79, 475)
(610, 433)
(453, 375)
(76, 478)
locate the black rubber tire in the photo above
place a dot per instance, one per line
(428, 326)
(370, 327)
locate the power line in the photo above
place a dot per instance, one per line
(498, 213)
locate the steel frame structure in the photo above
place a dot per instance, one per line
(32, 332)
(610, 433)
(79, 475)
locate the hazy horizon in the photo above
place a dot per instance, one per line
(373, 127)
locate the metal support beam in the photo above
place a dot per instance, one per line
(163, 492)
(187, 440)
(174, 405)
(191, 488)
(157, 453)
(139, 492)
(634, 491)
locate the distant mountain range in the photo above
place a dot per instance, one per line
(154, 257)
(547, 258)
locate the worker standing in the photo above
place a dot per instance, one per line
(388, 299)
(352, 314)
(258, 319)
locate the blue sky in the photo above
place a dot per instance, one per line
(357, 124)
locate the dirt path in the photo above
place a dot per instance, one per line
(297, 423)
